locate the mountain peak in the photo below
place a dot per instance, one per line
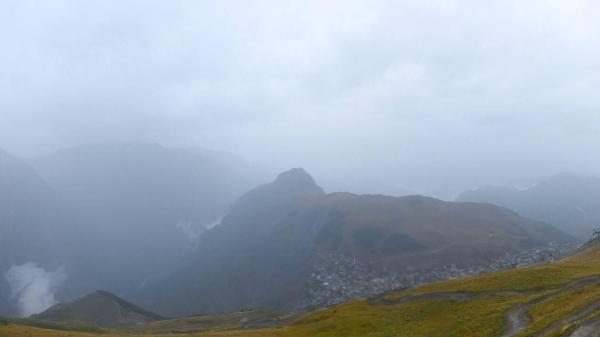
(297, 175)
(297, 179)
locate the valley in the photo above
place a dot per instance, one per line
(362, 168)
(557, 299)
(291, 260)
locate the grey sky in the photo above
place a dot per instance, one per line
(373, 96)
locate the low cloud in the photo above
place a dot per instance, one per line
(33, 287)
(188, 229)
(193, 232)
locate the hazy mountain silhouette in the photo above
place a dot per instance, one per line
(34, 225)
(264, 251)
(568, 201)
(111, 216)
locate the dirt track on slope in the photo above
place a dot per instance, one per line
(517, 318)
(443, 296)
(571, 318)
(590, 328)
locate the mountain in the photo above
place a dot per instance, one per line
(570, 202)
(109, 216)
(126, 182)
(100, 308)
(26, 211)
(34, 228)
(287, 245)
(144, 205)
(557, 299)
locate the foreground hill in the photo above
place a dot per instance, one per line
(561, 299)
(571, 202)
(288, 245)
(100, 308)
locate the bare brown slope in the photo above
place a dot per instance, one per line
(418, 228)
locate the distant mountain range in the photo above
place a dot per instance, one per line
(287, 245)
(568, 201)
(163, 227)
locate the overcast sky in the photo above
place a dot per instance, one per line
(376, 96)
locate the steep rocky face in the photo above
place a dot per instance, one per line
(282, 241)
(570, 202)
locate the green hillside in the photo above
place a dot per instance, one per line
(559, 299)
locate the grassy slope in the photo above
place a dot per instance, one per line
(551, 293)
(230, 321)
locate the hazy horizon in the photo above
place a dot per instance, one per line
(268, 173)
(300, 168)
(368, 96)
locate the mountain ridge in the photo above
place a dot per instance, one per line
(568, 201)
(275, 238)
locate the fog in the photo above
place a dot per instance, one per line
(394, 97)
(33, 287)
